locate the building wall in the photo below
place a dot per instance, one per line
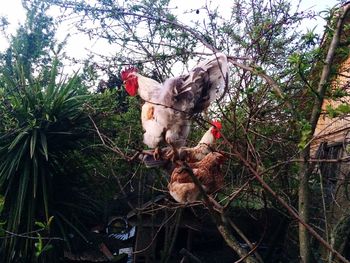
(334, 129)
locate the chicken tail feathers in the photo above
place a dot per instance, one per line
(151, 162)
(206, 82)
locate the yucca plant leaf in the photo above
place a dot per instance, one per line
(48, 224)
(20, 152)
(52, 81)
(17, 140)
(61, 133)
(35, 175)
(33, 142)
(43, 141)
(45, 192)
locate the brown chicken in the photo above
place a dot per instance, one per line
(208, 171)
(188, 154)
(205, 145)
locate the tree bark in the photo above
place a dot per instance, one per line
(303, 204)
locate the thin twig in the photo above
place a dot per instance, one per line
(25, 235)
(268, 79)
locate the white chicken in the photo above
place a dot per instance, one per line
(169, 106)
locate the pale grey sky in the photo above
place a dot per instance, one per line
(13, 10)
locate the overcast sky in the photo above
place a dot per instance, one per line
(13, 10)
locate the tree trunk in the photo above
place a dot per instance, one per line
(305, 169)
(304, 236)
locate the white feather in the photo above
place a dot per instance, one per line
(177, 99)
(153, 134)
(148, 88)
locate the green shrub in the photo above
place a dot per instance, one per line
(40, 179)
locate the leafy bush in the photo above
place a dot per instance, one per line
(40, 178)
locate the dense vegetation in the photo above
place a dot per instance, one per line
(67, 142)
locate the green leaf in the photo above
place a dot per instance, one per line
(17, 139)
(38, 246)
(33, 143)
(43, 141)
(40, 224)
(294, 58)
(305, 134)
(45, 193)
(35, 175)
(341, 109)
(52, 81)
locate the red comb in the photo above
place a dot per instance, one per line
(125, 72)
(217, 124)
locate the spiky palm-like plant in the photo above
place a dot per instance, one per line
(48, 123)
